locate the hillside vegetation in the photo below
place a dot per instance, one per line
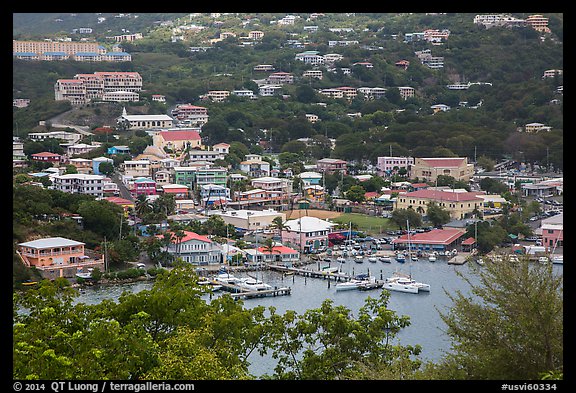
(512, 60)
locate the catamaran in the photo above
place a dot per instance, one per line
(404, 282)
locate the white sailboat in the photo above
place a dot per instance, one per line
(404, 282)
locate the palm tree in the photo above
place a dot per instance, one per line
(142, 205)
(269, 246)
(278, 225)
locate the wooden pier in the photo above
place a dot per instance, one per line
(311, 273)
(265, 292)
(242, 292)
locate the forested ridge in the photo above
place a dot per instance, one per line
(512, 60)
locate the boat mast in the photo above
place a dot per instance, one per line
(409, 249)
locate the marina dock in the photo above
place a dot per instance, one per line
(311, 273)
(241, 292)
(458, 259)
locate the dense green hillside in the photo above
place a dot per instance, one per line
(511, 60)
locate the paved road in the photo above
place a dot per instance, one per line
(124, 192)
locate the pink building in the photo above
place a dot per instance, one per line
(307, 233)
(143, 186)
(58, 257)
(331, 165)
(552, 236)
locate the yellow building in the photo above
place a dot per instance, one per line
(428, 169)
(459, 204)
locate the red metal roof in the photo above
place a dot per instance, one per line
(187, 237)
(180, 135)
(278, 250)
(119, 201)
(435, 236)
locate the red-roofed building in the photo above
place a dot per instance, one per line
(371, 195)
(428, 169)
(177, 140)
(460, 205)
(46, 156)
(434, 240)
(193, 248)
(179, 191)
(279, 254)
(126, 204)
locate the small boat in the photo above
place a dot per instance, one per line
(432, 258)
(356, 283)
(253, 284)
(558, 259)
(480, 261)
(227, 278)
(385, 259)
(414, 258)
(400, 258)
(544, 260)
(404, 283)
(372, 259)
(359, 259)
(328, 269)
(85, 275)
(341, 260)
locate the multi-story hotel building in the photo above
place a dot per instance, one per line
(68, 47)
(62, 50)
(77, 183)
(108, 86)
(538, 23)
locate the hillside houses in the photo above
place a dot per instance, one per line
(222, 179)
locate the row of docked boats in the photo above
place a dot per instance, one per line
(247, 283)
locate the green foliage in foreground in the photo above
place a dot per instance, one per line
(510, 328)
(170, 332)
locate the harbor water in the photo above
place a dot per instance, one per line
(426, 326)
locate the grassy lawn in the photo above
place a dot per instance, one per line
(368, 224)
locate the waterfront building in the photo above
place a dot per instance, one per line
(193, 248)
(280, 255)
(57, 257)
(439, 240)
(307, 233)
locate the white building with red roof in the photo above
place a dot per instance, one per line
(193, 248)
(428, 169)
(278, 255)
(459, 204)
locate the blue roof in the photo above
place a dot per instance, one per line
(86, 54)
(55, 53)
(25, 54)
(117, 54)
